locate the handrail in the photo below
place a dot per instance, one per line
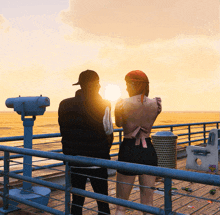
(177, 125)
(41, 136)
(167, 173)
(188, 135)
(192, 137)
(36, 136)
(123, 166)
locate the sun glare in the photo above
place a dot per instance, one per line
(112, 92)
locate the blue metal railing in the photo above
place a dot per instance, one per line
(185, 132)
(189, 127)
(188, 133)
(168, 174)
(172, 127)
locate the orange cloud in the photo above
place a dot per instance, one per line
(2, 20)
(4, 24)
(180, 57)
(141, 21)
(38, 59)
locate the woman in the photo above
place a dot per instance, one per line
(136, 115)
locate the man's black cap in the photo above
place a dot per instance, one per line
(86, 77)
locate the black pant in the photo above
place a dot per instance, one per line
(98, 185)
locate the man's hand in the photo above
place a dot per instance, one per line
(107, 122)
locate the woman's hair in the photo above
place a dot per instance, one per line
(140, 83)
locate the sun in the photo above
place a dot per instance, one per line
(112, 92)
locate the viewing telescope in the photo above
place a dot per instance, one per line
(28, 106)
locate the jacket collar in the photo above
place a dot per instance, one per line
(80, 94)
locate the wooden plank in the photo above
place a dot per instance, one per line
(208, 207)
(190, 204)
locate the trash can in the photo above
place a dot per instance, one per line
(165, 145)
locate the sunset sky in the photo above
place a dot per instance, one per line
(45, 44)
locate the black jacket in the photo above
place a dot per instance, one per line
(81, 126)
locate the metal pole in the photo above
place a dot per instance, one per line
(189, 135)
(27, 161)
(204, 134)
(67, 189)
(120, 136)
(137, 168)
(167, 195)
(171, 128)
(6, 180)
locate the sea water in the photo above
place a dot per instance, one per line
(11, 124)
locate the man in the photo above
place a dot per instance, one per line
(86, 130)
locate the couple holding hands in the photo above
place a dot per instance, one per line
(86, 130)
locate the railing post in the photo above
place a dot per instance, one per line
(6, 181)
(171, 128)
(7, 208)
(204, 134)
(167, 195)
(217, 125)
(120, 136)
(67, 189)
(189, 134)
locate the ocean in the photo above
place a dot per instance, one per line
(11, 124)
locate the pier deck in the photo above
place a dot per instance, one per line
(180, 203)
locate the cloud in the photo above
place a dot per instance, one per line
(42, 55)
(4, 24)
(2, 20)
(180, 57)
(141, 21)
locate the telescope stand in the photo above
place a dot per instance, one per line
(36, 194)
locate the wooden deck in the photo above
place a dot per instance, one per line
(181, 203)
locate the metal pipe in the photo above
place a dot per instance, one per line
(67, 189)
(21, 156)
(167, 195)
(97, 196)
(136, 168)
(6, 180)
(112, 200)
(40, 167)
(189, 133)
(204, 135)
(199, 132)
(191, 141)
(40, 136)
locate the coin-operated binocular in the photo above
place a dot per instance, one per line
(28, 106)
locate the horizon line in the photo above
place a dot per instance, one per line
(161, 112)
